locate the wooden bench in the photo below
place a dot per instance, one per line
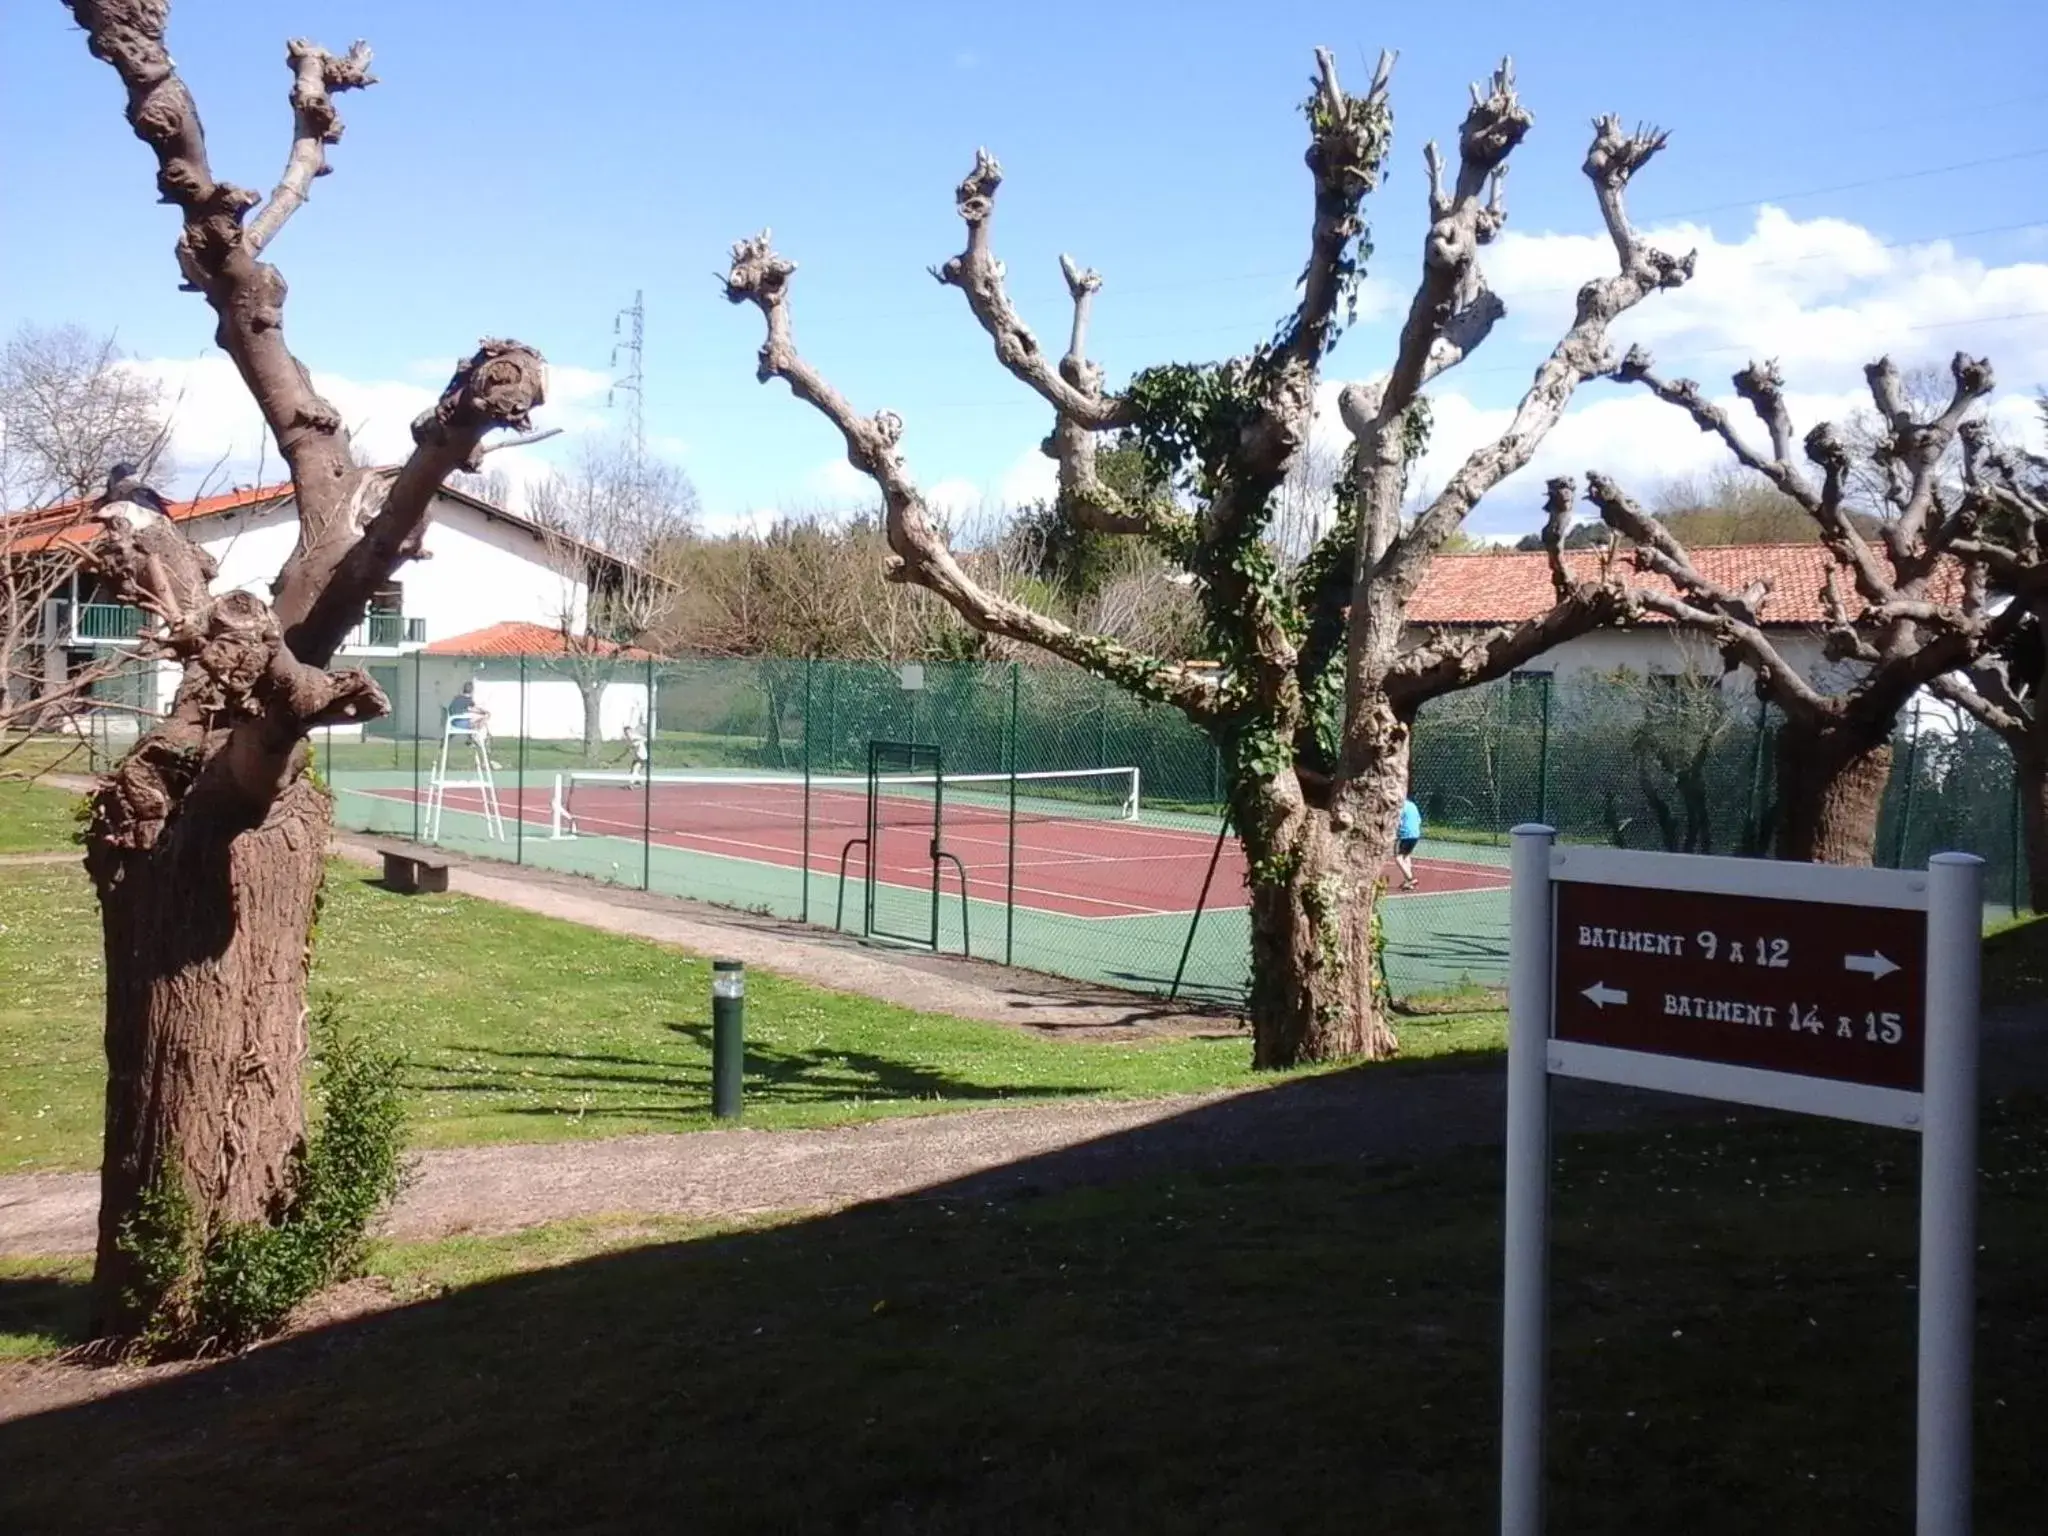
(412, 871)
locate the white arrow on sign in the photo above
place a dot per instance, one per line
(1600, 995)
(1873, 965)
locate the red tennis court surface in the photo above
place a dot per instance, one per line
(1080, 865)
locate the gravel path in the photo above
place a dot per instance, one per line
(1365, 1116)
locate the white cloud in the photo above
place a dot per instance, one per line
(218, 437)
(839, 483)
(955, 497)
(1822, 296)
(1034, 477)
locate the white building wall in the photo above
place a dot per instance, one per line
(554, 707)
(1654, 649)
(478, 571)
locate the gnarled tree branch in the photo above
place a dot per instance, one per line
(316, 74)
(1444, 661)
(979, 275)
(1729, 618)
(760, 277)
(253, 671)
(1582, 353)
(1084, 496)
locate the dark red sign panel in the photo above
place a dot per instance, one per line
(1750, 981)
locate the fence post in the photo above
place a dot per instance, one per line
(417, 724)
(1756, 774)
(1906, 795)
(1010, 839)
(2018, 841)
(519, 794)
(1543, 752)
(804, 901)
(646, 784)
(832, 718)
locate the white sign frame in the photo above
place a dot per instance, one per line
(1943, 1112)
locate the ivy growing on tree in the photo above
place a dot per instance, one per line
(1319, 674)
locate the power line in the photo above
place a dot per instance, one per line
(1781, 264)
(1869, 181)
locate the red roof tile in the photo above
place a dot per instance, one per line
(1507, 588)
(70, 522)
(516, 637)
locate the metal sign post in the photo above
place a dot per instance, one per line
(1850, 993)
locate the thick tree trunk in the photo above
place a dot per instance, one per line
(207, 944)
(1314, 890)
(1831, 780)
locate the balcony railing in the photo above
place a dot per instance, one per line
(106, 622)
(386, 632)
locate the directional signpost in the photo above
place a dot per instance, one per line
(1850, 993)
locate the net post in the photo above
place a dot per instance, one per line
(1010, 839)
(804, 899)
(1525, 1295)
(1948, 1195)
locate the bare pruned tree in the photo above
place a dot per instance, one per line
(69, 412)
(2006, 687)
(207, 842)
(1320, 679)
(1905, 605)
(607, 521)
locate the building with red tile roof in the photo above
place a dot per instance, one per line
(491, 584)
(1505, 588)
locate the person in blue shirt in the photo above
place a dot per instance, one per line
(1405, 838)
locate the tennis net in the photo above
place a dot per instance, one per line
(613, 804)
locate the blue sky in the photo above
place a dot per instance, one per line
(523, 168)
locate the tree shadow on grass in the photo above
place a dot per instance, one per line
(775, 1075)
(1230, 1320)
(51, 1305)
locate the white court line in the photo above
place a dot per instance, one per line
(633, 831)
(1124, 909)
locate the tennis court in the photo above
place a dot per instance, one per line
(1066, 871)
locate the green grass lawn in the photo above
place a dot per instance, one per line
(523, 1028)
(1304, 1350)
(34, 818)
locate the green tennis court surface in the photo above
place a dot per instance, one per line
(1063, 882)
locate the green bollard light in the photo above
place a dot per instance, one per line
(728, 1036)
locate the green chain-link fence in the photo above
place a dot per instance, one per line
(1082, 827)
